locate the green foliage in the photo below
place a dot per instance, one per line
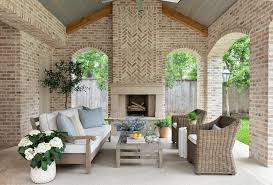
(43, 160)
(167, 122)
(180, 66)
(192, 116)
(243, 133)
(95, 62)
(237, 61)
(64, 79)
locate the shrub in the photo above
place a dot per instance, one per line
(192, 116)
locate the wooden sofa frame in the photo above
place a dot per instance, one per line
(75, 158)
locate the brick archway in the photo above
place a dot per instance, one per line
(225, 41)
(84, 48)
(214, 70)
(201, 73)
(89, 83)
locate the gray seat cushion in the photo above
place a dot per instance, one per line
(99, 132)
(91, 118)
(216, 127)
(193, 138)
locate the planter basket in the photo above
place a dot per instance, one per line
(40, 176)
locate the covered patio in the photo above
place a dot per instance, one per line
(37, 34)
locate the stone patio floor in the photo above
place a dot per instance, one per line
(176, 171)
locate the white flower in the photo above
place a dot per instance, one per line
(29, 154)
(43, 148)
(25, 142)
(56, 142)
(34, 132)
(48, 132)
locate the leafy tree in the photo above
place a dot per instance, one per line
(64, 79)
(237, 61)
(180, 66)
(95, 62)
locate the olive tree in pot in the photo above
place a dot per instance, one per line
(163, 127)
(65, 78)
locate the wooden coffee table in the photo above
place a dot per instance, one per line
(138, 153)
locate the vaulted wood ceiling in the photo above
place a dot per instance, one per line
(202, 12)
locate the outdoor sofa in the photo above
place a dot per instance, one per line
(80, 149)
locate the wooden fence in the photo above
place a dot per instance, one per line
(180, 99)
(92, 97)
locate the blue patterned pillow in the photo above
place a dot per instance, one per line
(91, 118)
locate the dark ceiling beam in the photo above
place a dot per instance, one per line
(173, 14)
(89, 19)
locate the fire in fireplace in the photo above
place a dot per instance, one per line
(141, 105)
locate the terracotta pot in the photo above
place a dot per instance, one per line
(193, 122)
(163, 132)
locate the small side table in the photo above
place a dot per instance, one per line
(182, 142)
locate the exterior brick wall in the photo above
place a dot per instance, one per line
(252, 18)
(176, 36)
(21, 55)
(22, 52)
(171, 35)
(32, 53)
(136, 52)
(98, 35)
(32, 17)
(9, 81)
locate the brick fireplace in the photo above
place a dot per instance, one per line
(151, 98)
(137, 80)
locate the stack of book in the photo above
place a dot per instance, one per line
(135, 141)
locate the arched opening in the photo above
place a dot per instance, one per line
(230, 96)
(94, 64)
(181, 75)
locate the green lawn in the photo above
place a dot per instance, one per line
(243, 133)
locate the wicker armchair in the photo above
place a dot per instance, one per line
(212, 151)
(182, 121)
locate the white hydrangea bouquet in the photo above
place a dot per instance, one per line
(42, 148)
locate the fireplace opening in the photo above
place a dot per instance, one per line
(141, 105)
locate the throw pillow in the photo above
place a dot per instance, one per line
(65, 124)
(215, 127)
(91, 118)
(77, 125)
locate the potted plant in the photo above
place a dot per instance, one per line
(192, 117)
(131, 125)
(43, 149)
(150, 135)
(64, 79)
(163, 126)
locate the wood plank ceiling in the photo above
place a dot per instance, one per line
(199, 13)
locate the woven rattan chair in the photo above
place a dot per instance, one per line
(212, 151)
(182, 121)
